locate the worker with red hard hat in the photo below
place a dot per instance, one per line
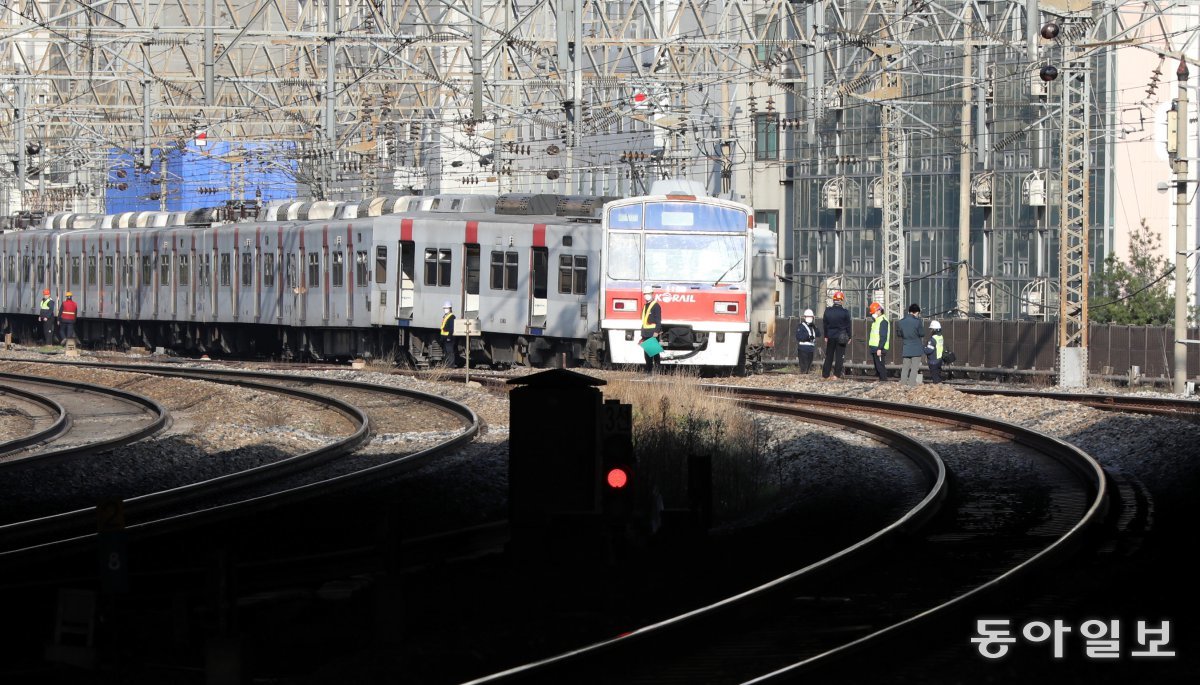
(46, 317)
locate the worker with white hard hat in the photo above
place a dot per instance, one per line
(935, 349)
(447, 335)
(806, 340)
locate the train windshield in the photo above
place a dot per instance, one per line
(678, 258)
(702, 258)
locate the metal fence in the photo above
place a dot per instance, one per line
(1024, 346)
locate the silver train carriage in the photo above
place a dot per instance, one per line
(323, 280)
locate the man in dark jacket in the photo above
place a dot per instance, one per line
(836, 325)
(913, 334)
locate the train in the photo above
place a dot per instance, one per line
(539, 280)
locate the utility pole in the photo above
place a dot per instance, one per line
(209, 61)
(21, 161)
(1075, 221)
(964, 181)
(1181, 252)
(330, 97)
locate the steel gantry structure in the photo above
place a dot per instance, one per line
(380, 87)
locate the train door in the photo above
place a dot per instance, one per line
(471, 276)
(323, 274)
(383, 293)
(540, 271)
(193, 277)
(407, 279)
(304, 283)
(258, 273)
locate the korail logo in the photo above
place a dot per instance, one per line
(677, 297)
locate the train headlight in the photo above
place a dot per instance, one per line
(725, 307)
(624, 305)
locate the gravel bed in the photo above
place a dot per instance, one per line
(1158, 451)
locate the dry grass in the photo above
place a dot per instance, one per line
(673, 420)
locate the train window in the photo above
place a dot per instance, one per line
(225, 275)
(360, 267)
(437, 267)
(184, 265)
(572, 274)
(314, 270)
(127, 271)
(41, 267)
(268, 271)
(205, 275)
(147, 270)
(164, 269)
(291, 271)
(624, 257)
(339, 268)
(247, 268)
(381, 264)
(108, 270)
(472, 268)
(12, 269)
(568, 241)
(541, 271)
(627, 217)
(75, 272)
(91, 273)
(504, 270)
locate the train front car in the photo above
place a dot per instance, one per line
(695, 253)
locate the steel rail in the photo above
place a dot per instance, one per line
(926, 459)
(160, 421)
(61, 423)
(1082, 466)
(148, 504)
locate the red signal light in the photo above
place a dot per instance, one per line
(639, 98)
(617, 478)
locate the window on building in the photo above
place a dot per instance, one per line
(768, 218)
(504, 270)
(766, 136)
(572, 274)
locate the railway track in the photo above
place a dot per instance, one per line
(313, 473)
(783, 629)
(87, 419)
